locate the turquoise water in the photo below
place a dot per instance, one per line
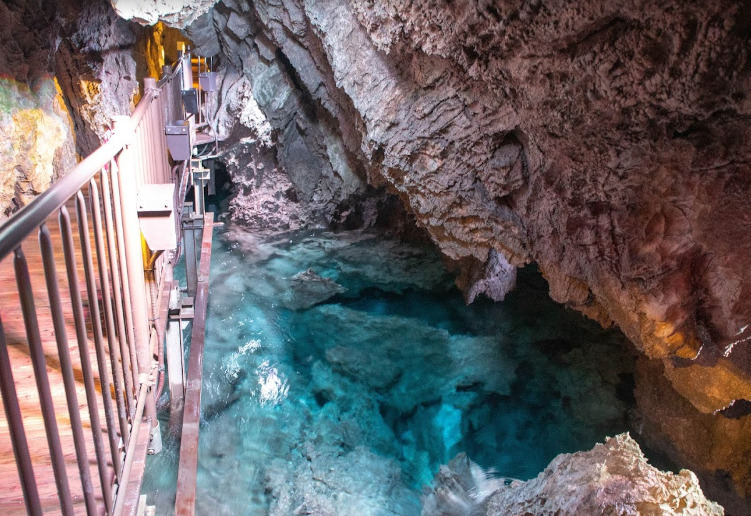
(342, 390)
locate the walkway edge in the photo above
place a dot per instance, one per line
(185, 500)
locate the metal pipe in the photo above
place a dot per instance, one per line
(116, 289)
(96, 323)
(162, 142)
(153, 258)
(39, 363)
(153, 286)
(17, 433)
(123, 484)
(198, 200)
(109, 320)
(134, 261)
(61, 337)
(150, 136)
(83, 350)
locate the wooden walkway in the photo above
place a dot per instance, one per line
(11, 496)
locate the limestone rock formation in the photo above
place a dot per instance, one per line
(607, 143)
(310, 144)
(36, 133)
(309, 289)
(612, 478)
(176, 13)
(36, 141)
(96, 69)
(701, 442)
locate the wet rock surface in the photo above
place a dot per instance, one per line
(611, 478)
(308, 289)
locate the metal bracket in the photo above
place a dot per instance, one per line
(184, 311)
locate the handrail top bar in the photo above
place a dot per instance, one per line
(31, 216)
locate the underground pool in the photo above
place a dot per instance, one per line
(342, 370)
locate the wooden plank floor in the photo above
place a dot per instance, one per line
(11, 497)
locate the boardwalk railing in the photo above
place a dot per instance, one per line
(90, 325)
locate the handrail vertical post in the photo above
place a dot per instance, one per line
(39, 363)
(61, 337)
(135, 265)
(17, 432)
(66, 231)
(112, 251)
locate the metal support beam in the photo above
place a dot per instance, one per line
(175, 362)
(201, 177)
(185, 497)
(189, 243)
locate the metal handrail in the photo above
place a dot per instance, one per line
(112, 263)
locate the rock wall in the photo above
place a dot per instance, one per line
(36, 134)
(293, 162)
(37, 143)
(67, 68)
(96, 68)
(607, 142)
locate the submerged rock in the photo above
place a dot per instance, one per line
(309, 289)
(328, 484)
(611, 478)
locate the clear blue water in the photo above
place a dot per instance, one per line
(349, 404)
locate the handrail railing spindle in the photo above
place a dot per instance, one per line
(61, 337)
(116, 290)
(39, 363)
(109, 320)
(17, 432)
(96, 321)
(66, 231)
(127, 307)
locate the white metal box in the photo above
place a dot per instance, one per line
(207, 80)
(156, 214)
(179, 133)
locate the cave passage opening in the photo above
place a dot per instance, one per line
(346, 368)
